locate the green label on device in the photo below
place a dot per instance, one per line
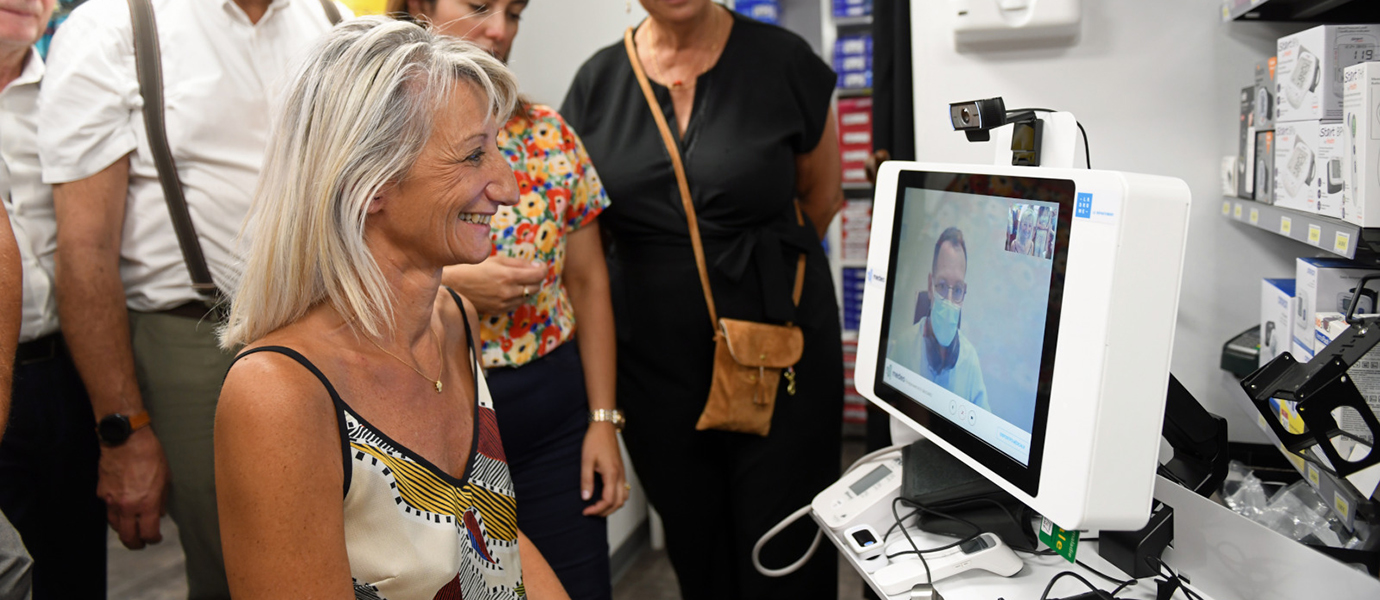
(1064, 543)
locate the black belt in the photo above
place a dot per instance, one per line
(42, 349)
(193, 310)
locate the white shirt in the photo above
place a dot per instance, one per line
(221, 75)
(27, 199)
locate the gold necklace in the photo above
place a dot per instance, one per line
(677, 84)
(440, 350)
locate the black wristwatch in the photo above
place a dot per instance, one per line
(115, 429)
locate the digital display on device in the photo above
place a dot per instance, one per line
(869, 479)
(971, 311)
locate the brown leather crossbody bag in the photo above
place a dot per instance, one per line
(749, 357)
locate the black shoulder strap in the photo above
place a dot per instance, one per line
(332, 13)
(469, 339)
(340, 406)
(149, 66)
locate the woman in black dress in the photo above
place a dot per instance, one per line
(750, 106)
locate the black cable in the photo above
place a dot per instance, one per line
(1087, 155)
(929, 577)
(1171, 576)
(897, 524)
(1123, 584)
(1063, 574)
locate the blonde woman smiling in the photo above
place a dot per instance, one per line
(357, 453)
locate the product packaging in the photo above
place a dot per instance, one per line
(1296, 164)
(1245, 174)
(1330, 166)
(1327, 285)
(766, 11)
(851, 8)
(1264, 100)
(1365, 373)
(853, 61)
(1265, 167)
(1309, 69)
(1277, 308)
(855, 137)
(1361, 193)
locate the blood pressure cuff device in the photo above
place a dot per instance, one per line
(933, 478)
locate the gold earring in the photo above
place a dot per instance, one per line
(628, 8)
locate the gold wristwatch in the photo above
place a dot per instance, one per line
(614, 416)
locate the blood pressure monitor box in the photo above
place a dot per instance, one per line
(1245, 169)
(1296, 165)
(1361, 121)
(1309, 69)
(1277, 306)
(1365, 373)
(1331, 161)
(1325, 285)
(1265, 167)
(1264, 99)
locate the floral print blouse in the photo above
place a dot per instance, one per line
(560, 193)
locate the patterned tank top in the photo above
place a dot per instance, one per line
(413, 532)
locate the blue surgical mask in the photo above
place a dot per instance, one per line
(944, 315)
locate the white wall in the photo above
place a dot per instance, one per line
(557, 36)
(1155, 84)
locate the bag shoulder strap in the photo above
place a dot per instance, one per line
(674, 151)
(149, 67)
(332, 13)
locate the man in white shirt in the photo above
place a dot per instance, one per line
(138, 331)
(48, 455)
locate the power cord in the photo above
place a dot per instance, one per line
(1086, 154)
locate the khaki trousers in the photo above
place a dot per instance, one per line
(180, 370)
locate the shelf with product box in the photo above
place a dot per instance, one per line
(1309, 169)
(1315, 11)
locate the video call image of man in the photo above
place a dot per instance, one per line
(945, 356)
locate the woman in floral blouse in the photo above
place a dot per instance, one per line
(554, 400)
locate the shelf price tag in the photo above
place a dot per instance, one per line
(1285, 225)
(1255, 216)
(1342, 243)
(1237, 212)
(1226, 207)
(1314, 234)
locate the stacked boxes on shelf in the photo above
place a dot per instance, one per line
(1310, 145)
(852, 281)
(853, 61)
(1361, 128)
(851, 8)
(855, 137)
(854, 404)
(855, 225)
(766, 11)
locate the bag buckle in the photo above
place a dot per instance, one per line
(790, 381)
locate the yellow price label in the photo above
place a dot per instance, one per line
(1340, 503)
(1313, 475)
(1342, 243)
(1314, 234)
(1237, 212)
(1255, 216)
(1285, 225)
(1226, 207)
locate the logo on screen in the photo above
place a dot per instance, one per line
(1082, 208)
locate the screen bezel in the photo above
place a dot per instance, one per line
(1025, 477)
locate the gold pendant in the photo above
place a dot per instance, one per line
(438, 386)
(790, 381)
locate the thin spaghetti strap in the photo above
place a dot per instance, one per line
(302, 360)
(469, 337)
(340, 406)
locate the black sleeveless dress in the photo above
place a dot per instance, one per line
(761, 105)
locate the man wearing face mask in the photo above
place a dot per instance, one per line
(946, 357)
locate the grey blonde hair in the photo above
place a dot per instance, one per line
(354, 119)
